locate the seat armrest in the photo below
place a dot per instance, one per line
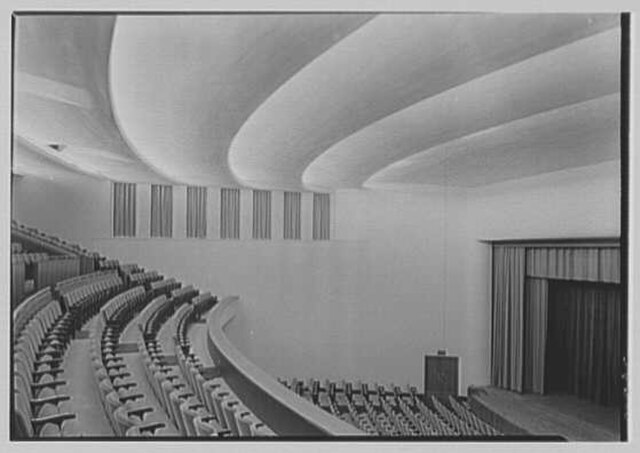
(40, 385)
(56, 418)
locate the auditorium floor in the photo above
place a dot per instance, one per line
(78, 373)
(571, 417)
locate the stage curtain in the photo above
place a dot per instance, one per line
(507, 316)
(594, 264)
(261, 214)
(291, 226)
(161, 211)
(535, 333)
(197, 212)
(124, 209)
(583, 342)
(321, 216)
(229, 213)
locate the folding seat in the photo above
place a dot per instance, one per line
(208, 387)
(176, 397)
(244, 419)
(219, 395)
(127, 416)
(207, 426)
(261, 430)
(189, 410)
(229, 407)
(152, 430)
(30, 423)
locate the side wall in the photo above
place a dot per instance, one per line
(405, 274)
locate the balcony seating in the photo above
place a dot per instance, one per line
(143, 278)
(130, 411)
(56, 268)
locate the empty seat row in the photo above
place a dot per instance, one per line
(198, 407)
(390, 410)
(144, 278)
(45, 240)
(42, 407)
(29, 258)
(70, 284)
(56, 268)
(29, 308)
(214, 393)
(164, 286)
(130, 411)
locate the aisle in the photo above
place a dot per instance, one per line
(85, 397)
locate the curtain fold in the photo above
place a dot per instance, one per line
(595, 264)
(321, 216)
(507, 316)
(124, 209)
(196, 212)
(261, 214)
(161, 211)
(535, 334)
(291, 226)
(229, 213)
(584, 354)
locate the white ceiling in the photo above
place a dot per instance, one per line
(317, 101)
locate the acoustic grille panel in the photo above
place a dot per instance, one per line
(321, 216)
(229, 213)
(161, 211)
(124, 209)
(292, 204)
(261, 214)
(197, 212)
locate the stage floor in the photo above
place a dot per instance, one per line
(568, 416)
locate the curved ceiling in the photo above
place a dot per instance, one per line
(62, 96)
(384, 67)
(183, 86)
(563, 76)
(317, 101)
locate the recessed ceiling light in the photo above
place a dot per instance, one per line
(57, 146)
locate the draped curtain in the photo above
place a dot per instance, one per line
(196, 212)
(124, 209)
(261, 214)
(532, 327)
(583, 346)
(321, 216)
(230, 214)
(507, 315)
(292, 203)
(594, 264)
(535, 334)
(161, 211)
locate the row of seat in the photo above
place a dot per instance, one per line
(70, 284)
(28, 309)
(46, 240)
(42, 406)
(391, 411)
(56, 268)
(28, 258)
(199, 406)
(16, 247)
(144, 278)
(130, 411)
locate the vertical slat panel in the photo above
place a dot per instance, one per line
(196, 212)
(230, 213)
(124, 209)
(321, 216)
